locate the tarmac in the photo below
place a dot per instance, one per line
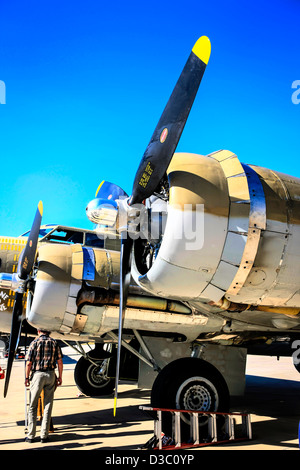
(84, 423)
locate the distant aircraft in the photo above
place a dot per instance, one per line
(207, 268)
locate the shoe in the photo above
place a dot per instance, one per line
(44, 439)
(27, 439)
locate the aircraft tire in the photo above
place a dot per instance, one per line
(296, 365)
(90, 381)
(190, 383)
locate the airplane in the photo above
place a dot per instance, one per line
(206, 271)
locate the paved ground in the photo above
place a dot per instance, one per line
(81, 423)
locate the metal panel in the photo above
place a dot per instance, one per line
(246, 262)
(88, 264)
(212, 293)
(71, 305)
(69, 320)
(79, 323)
(224, 275)
(257, 222)
(239, 217)
(277, 196)
(262, 271)
(232, 167)
(234, 248)
(75, 286)
(221, 155)
(257, 199)
(238, 188)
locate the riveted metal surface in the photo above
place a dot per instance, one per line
(234, 268)
(257, 223)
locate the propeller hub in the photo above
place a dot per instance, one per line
(9, 281)
(102, 212)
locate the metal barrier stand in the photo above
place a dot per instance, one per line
(212, 437)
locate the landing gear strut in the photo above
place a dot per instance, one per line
(91, 377)
(90, 373)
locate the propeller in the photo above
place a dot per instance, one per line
(110, 191)
(156, 159)
(25, 266)
(167, 133)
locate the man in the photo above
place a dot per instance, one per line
(41, 359)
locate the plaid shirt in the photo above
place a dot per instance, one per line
(43, 352)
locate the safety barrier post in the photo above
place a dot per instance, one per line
(212, 427)
(246, 422)
(229, 427)
(194, 424)
(158, 429)
(177, 436)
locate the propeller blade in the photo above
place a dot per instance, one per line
(16, 324)
(109, 191)
(125, 273)
(167, 133)
(24, 269)
(29, 252)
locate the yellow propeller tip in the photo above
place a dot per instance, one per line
(202, 49)
(115, 406)
(40, 207)
(98, 189)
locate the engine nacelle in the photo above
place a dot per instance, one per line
(245, 242)
(76, 293)
(62, 268)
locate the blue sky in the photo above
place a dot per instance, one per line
(86, 83)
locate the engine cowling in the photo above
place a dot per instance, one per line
(62, 269)
(246, 234)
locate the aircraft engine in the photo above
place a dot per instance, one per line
(61, 272)
(76, 293)
(232, 233)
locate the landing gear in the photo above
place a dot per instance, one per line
(297, 366)
(190, 384)
(95, 371)
(91, 377)
(296, 360)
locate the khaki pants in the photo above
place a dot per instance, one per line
(41, 381)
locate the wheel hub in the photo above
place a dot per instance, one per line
(96, 375)
(197, 394)
(197, 398)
